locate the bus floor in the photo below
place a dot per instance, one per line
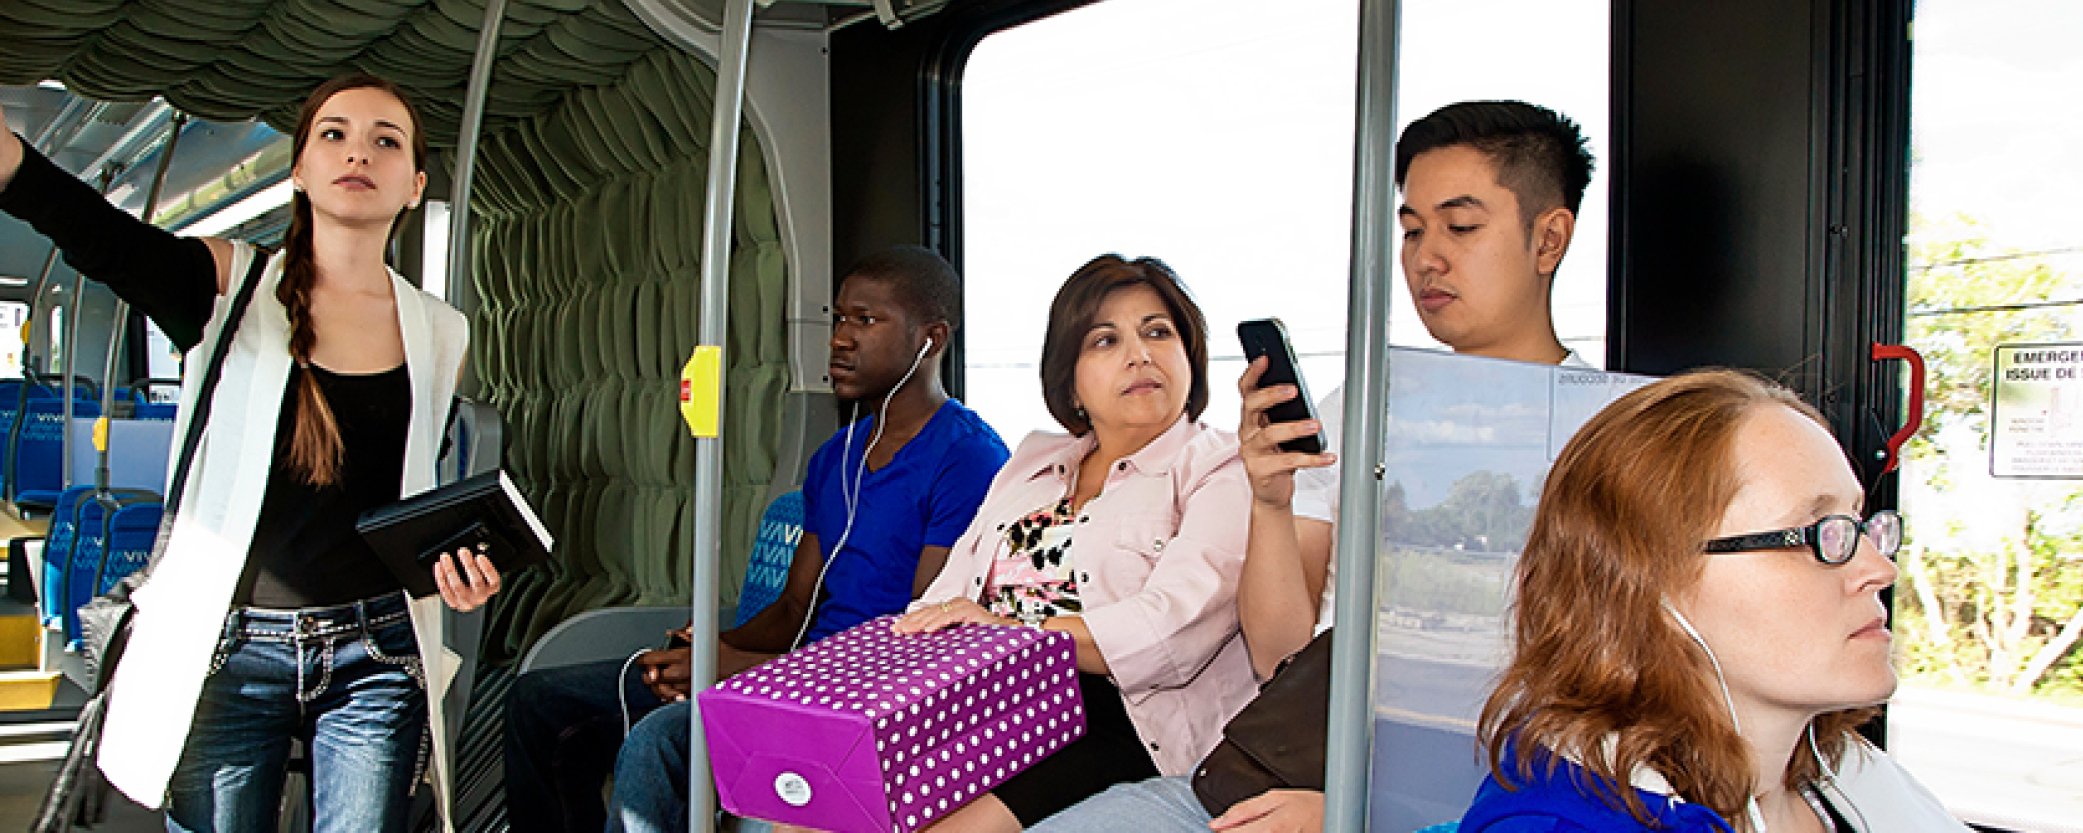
(27, 763)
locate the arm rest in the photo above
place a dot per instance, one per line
(607, 633)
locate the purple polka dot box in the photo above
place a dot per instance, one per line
(870, 732)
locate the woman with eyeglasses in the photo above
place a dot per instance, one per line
(1699, 629)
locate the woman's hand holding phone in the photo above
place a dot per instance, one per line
(1270, 468)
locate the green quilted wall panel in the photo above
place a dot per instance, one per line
(587, 257)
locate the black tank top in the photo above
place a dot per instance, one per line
(305, 551)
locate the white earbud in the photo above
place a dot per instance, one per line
(929, 346)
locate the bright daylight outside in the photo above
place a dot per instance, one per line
(1217, 136)
(1989, 606)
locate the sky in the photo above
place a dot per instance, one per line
(1996, 108)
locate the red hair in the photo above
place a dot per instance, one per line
(1599, 671)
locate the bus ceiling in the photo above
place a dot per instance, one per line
(96, 86)
(228, 64)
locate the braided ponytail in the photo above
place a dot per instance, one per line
(315, 448)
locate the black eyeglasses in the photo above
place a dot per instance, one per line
(1832, 540)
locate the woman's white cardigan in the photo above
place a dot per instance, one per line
(181, 609)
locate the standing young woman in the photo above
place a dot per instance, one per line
(267, 617)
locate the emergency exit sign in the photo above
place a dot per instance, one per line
(2036, 413)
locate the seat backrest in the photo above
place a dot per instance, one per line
(38, 456)
(132, 531)
(156, 411)
(137, 452)
(90, 549)
(57, 549)
(10, 403)
(472, 446)
(773, 549)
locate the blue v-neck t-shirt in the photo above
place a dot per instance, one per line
(925, 497)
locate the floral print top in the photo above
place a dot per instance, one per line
(1031, 577)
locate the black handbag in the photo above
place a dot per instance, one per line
(76, 791)
(1277, 741)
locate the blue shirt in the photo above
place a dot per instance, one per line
(1561, 800)
(925, 497)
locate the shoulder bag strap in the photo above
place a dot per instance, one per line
(199, 416)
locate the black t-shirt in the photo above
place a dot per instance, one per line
(305, 551)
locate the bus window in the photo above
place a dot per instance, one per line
(1218, 135)
(1989, 601)
(162, 359)
(51, 357)
(1557, 55)
(12, 314)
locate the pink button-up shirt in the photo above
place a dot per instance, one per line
(1158, 555)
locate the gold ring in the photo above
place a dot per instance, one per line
(944, 605)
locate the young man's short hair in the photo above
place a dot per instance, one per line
(1540, 155)
(924, 282)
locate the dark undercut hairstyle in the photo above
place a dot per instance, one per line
(1539, 154)
(924, 282)
(1078, 302)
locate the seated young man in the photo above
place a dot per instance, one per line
(890, 492)
(1490, 196)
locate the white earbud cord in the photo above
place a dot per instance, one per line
(1830, 777)
(1757, 816)
(622, 688)
(852, 497)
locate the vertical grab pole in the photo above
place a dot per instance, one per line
(58, 131)
(36, 305)
(708, 447)
(65, 374)
(121, 318)
(466, 147)
(1349, 746)
(463, 629)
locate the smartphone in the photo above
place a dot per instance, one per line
(1266, 337)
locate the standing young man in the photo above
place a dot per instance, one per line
(883, 500)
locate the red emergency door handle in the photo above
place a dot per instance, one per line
(1914, 419)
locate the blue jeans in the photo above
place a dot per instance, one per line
(1156, 805)
(346, 680)
(651, 777)
(563, 726)
(651, 773)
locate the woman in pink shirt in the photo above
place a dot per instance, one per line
(1127, 533)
